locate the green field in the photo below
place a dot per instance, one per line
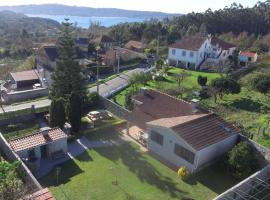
(139, 176)
(170, 84)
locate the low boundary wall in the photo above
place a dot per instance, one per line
(27, 176)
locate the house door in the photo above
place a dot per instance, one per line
(43, 150)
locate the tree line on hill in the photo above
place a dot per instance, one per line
(235, 20)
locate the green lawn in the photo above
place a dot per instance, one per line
(139, 176)
(170, 84)
(21, 130)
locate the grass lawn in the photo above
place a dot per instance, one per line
(20, 130)
(190, 83)
(139, 176)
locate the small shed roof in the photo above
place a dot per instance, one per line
(135, 44)
(37, 139)
(199, 131)
(43, 194)
(25, 75)
(248, 54)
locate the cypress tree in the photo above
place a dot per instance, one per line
(74, 110)
(57, 113)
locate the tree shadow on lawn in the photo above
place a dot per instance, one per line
(68, 170)
(215, 178)
(248, 105)
(145, 171)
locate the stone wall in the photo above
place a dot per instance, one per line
(12, 97)
(115, 108)
(29, 179)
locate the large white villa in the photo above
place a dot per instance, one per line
(192, 52)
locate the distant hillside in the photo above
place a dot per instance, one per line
(57, 9)
(15, 21)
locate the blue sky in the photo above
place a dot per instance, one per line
(170, 6)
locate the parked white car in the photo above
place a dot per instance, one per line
(37, 85)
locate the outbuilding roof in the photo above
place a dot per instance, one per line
(25, 75)
(37, 139)
(248, 54)
(190, 43)
(43, 194)
(135, 44)
(224, 45)
(199, 131)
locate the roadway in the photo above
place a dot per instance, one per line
(105, 90)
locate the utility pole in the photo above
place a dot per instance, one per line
(118, 61)
(158, 46)
(98, 63)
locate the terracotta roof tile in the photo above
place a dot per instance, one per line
(132, 44)
(205, 130)
(191, 43)
(155, 105)
(248, 54)
(224, 45)
(25, 75)
(43, 194)
(37, 139)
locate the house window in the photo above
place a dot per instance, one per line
(184, 53)
(191, 54)
(173, 51)
(156, 137)
(184, 153)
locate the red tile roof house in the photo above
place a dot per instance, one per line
(181, 133)
(135, 46)
(47, 144)
(246, 57)
(43, 194)
(192, 52)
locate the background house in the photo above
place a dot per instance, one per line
(192, 52)
(105, 42)
(135, 46)
(246, 57)
(23, 79)
(193, 141)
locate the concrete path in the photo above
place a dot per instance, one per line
(74, 149)
(105, 89)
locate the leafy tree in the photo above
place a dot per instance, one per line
(67, 77)
(242, 160)
(74, 110)
(202, 80)
(57, 113)
(225, 85)
(165, 69)
(181, 77)
(11, 187)
(129, 104)
(159, 64)
(261, 83)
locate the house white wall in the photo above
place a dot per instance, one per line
(24, 154)
(176, 55)
(211, 152)
(166, 151)
(202, 157)
(59, 145)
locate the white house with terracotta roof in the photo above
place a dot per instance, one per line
(48, 144)
(246, 57)
(191, 52)
(180, 132)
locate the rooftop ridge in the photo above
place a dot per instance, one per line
(37, 133)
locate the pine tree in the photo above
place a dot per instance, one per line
(74, 110)
(67, 77)
(57, 113)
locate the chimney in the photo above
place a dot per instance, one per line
(195, 105)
